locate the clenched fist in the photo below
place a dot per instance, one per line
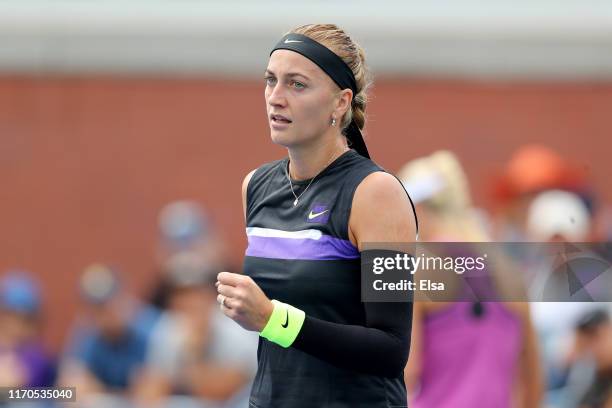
(243, 301)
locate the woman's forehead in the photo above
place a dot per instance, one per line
(283, 62)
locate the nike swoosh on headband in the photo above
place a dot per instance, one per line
(287, 41)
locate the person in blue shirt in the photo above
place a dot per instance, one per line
(109, 342)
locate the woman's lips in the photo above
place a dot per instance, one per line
(278, 122)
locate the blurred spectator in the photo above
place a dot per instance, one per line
(464, 354)
(532, 169)
(185, 227)
(439, 186)
(594, 339)
(23, 359)
(562, 217)
(195, 350)
(558, 216)
(108, 343)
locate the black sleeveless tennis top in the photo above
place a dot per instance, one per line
(302, 255)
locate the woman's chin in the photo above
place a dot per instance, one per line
(281, 138)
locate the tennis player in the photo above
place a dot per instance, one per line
(307, 217)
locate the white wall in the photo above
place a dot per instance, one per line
(536, 39)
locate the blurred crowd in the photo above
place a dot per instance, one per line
(176, 349)
(553, 354)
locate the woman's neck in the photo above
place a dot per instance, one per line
(308, 161)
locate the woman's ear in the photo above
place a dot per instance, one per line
(343, 102)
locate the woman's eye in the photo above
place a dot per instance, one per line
(270, 80)
(298, 85)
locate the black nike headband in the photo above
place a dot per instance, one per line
(335, 68)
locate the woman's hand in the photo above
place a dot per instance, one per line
(243, 301)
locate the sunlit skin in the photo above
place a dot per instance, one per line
(299, 90)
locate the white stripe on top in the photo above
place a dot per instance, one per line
(274, 233)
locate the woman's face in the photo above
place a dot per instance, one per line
(300, 99)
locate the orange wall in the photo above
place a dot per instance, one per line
(86, 163)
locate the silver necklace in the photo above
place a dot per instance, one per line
(297, 197)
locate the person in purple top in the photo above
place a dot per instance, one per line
(24, 361)
(464, 354)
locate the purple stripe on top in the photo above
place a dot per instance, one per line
(324, 248)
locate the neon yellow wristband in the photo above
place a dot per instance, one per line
(284, 324)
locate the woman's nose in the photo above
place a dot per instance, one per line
(277, 96)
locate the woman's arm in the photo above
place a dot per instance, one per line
(412, 372)
(382, 213)
(245, 186)
(529, 374)
(380, 348)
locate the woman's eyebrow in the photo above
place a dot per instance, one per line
(294, 74)
(289, 74)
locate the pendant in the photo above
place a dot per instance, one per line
(295, 202)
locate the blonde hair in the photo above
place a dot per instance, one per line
(451, 201)
(353, 55)
(454, 196)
